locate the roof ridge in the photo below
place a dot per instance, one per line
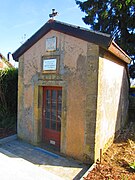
(80, 27)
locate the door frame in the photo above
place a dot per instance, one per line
(37, 107)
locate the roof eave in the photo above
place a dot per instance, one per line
(118, 52)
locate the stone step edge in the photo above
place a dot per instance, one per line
(88, 171)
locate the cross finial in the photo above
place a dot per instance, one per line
(53, 14)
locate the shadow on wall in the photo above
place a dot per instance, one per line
(122, 113)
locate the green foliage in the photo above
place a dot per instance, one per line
(124, 177)
(114, 17)
(8, 97)
(132, 165)
(132, 71)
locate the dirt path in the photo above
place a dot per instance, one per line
(6, 132)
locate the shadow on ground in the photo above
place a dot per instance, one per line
(56, 164)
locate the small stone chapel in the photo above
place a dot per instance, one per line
(73, 90)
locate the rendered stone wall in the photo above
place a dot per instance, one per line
(112, 101)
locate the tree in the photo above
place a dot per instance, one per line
(116, 17)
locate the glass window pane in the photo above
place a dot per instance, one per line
(47, 123)
(59, 117)
(58, 126)
(48, 99)
(53, 124)
(48, 104)
(48, 94)
(54, 106)
(59, 106)
(47, 115)
(54, 95)
(53, 116)
(59, 95)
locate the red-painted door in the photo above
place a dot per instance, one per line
(51, 122)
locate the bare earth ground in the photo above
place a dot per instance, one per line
(115, 161)
(6, 132)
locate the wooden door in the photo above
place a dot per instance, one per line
(51, 121)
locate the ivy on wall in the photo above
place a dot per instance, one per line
(8, 97)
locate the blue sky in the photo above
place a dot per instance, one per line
(20, 19)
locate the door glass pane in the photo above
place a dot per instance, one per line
(48, 99)
(54, 95)
(59, 106)
(48, 104)
(54, 116)
(53, 124)
(59, 116)
(58, 126)
(47, 124)
(48, 94)
(47, 114)
(53, 106)
(59, 95)
(54, 109)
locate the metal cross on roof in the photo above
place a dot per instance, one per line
(53, 14)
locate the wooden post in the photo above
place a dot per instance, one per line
(100, 155)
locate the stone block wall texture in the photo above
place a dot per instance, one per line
(92, 107)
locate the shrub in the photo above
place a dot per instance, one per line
(8, 97)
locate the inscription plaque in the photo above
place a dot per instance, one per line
(49, 64)
(51, 44)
